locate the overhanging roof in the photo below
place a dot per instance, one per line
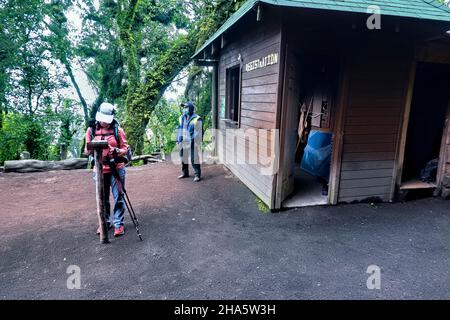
(418, 9)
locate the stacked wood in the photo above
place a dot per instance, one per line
(24, 166)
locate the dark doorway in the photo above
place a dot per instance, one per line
(318, 90)
(233, 87)
(426, 124)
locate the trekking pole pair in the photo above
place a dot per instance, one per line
(124, 194)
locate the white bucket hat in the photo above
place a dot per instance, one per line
(105, 113)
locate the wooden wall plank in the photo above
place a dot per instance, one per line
(262, 80)
(364, 192)
(382, 197)
(260, 89)
(369, 156)
(372, 120)
(259, 106)
(374, 112)
(365, 183)
(365, 174)
(369, 147)
(384, 129)
(366, 165)
(260, 115)
(256, 123)
(361, 101)
(372, 138)
(268, 98)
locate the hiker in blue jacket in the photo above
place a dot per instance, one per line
(190, 131)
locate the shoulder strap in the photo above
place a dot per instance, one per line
(116, 133)
(93, 126)
(195, 119)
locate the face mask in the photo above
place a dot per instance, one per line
(186, 111)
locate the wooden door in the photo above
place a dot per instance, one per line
(288, 126)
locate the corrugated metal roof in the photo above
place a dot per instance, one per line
(419, 9)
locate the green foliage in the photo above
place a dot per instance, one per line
(37, 142)
(261, 205)
(23, 133)
(70, 124)
(162, 124)
(12, 137)
(199, 90)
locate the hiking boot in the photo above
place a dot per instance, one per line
(183, 176)
(120, 231)
(108, 228)
(197, 179)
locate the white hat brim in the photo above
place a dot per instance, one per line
(101, 117)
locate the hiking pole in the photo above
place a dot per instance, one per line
(133, 218)
(124, 193)
(129, 203)
(97, 147)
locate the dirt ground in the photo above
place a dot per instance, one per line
(209, 241)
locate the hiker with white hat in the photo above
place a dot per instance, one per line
(106, 127)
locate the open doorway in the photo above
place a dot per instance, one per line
(312, 157)
(425, 129)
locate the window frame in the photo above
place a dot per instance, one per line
(228, 93)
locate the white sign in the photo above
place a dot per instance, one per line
(266, 61)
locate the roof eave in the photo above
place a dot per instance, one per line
(246, 7)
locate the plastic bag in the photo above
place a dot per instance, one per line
(317, 155)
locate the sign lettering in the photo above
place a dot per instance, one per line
(266, 61)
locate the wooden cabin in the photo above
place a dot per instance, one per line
(376, 86)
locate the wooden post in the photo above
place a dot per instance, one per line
(97, 147)
(443, 156)
(63, 151)
(338, 137)
(215, 105)
(402, 136)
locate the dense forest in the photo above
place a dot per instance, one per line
(127, 52)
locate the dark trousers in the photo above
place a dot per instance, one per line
(194, 154)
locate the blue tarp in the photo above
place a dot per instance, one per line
(317, 156)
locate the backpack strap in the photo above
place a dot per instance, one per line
(116, 133)
(93, 126)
